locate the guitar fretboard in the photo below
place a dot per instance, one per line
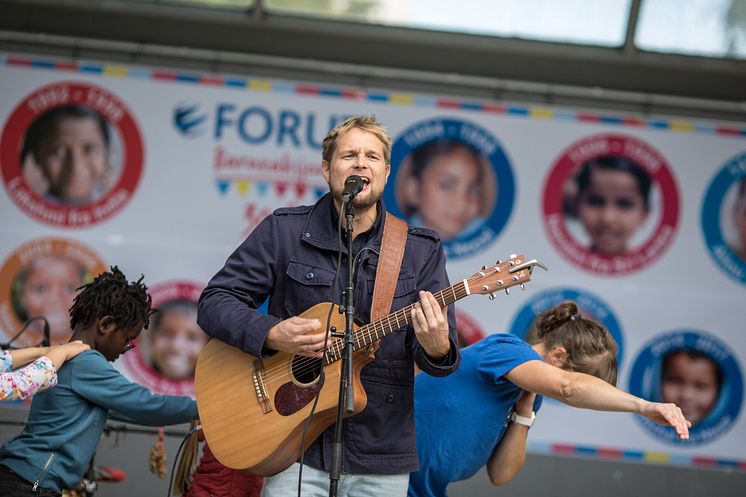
(376, 330)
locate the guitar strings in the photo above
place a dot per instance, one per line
(308, 364)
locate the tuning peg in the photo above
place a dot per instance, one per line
(491, 296)
(498, 262)
(485, 288)
(507, 291)
(513, 256)
(484, 267)
(523, 287)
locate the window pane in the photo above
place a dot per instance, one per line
(244, 4)
(695, 27)
(597, 22)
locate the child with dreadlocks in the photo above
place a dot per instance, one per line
(65, 423)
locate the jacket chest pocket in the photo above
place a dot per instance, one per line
(404, 294)
(307, 285)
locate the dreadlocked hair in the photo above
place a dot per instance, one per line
(590, 347)
(109, 294)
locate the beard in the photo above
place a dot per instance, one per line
(363, 200)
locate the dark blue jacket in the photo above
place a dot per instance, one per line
(291, 259)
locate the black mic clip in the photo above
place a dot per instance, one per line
(353, 185)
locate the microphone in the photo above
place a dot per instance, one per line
(353, 185)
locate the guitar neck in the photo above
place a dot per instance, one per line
(376, 330)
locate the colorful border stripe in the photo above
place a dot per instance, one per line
(394, 98)
(635, 456)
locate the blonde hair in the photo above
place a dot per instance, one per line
(590, 347)
(366, 122)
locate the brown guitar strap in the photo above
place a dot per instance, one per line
(389, 264)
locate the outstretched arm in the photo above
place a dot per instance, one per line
(61, 353)
(39, 371)
(510, 454)
(24, 356)
(57, 354)
(586, 391)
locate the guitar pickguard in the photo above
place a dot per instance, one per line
(291, 397)
(307, 382)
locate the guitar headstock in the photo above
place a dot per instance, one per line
(503, 275)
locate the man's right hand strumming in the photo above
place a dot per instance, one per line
(296, 336)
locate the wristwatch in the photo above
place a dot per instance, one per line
(522, 420)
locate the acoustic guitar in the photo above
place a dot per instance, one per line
(253, 412)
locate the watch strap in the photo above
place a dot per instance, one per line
(522, 420)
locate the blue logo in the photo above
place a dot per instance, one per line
(697, 372)
(729, 252)
(452, 176)
(189, 120)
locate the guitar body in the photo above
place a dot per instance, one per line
(253, 412)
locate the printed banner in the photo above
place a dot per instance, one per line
(642, 222)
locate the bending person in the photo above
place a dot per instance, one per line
(480, 415)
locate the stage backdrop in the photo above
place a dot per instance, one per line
(640, 221)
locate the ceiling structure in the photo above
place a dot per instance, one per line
(258, 41)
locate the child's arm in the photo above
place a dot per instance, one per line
(6, 361)
(21, 357)
(61, 353)
(25, 382)
(40, 374)
(95, 379)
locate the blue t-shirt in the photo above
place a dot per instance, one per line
(461, 418)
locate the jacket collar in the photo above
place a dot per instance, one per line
(320, 229)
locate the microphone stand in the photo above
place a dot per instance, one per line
(47, 342)
(346, 403)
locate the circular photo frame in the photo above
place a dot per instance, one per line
(41, 278)
(724, 218)
(166, 353)
(696, 371)
(610, 204)
(452, 176)
(71, 154)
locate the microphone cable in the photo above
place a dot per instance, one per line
(332, 292)
(176, 458)
(45, 343)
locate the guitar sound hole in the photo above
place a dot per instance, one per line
(305, 369)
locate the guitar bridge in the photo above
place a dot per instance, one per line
(257, 377)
